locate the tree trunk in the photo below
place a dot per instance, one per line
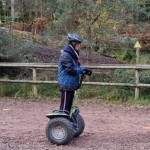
(41, 8)
(12, 11)
(89, 30)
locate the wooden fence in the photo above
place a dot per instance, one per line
(35, 66)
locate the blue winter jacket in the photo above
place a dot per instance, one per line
(69, 69)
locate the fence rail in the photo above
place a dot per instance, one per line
(35, 66)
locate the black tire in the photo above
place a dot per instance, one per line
(81, 126)
(59, 131)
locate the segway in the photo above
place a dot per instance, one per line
(63, 126)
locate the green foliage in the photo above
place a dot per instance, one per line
(124, 76)
(105, 94)
(118, 76)
(25, 90)
(15, 90)
(100, 22)
(145, 58)
(103, 24)
(92, 93)
(126, 55)
(48, 91)
(14, 49)
(141, 101)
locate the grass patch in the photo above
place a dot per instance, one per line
(139, 102)
(48, 91)
(15, 90)
(117, 95)
(25, 90)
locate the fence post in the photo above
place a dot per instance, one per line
(136, 82)
(34, 87)
(137, 91)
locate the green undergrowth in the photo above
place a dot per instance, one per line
(25, 91)
(106, 94)
(91, 94)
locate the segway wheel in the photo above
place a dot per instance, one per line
(59, 131)
(81, 126)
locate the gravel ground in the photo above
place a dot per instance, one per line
(108, 127)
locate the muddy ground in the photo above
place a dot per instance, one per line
(108, 127)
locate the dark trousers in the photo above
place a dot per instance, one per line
(66, 100)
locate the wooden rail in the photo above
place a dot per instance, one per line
(35, 66)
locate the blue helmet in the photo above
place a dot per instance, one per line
(74, 38)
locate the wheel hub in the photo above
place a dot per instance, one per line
(58, 132)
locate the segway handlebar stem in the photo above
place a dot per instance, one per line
(81, 79)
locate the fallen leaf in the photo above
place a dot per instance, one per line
(146, 128)
(6, 109)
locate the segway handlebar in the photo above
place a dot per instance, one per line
(83, 76)
(81, 79)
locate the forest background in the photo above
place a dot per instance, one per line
(109, 28)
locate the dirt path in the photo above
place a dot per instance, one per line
(108, 127)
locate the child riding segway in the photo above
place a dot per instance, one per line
(67, 123)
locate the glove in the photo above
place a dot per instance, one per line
(87, 72)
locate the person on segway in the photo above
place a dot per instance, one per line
(69, 69)
(66, 123)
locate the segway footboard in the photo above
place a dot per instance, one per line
(58, 113)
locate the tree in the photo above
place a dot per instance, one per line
(12, 10)
(104, 24)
